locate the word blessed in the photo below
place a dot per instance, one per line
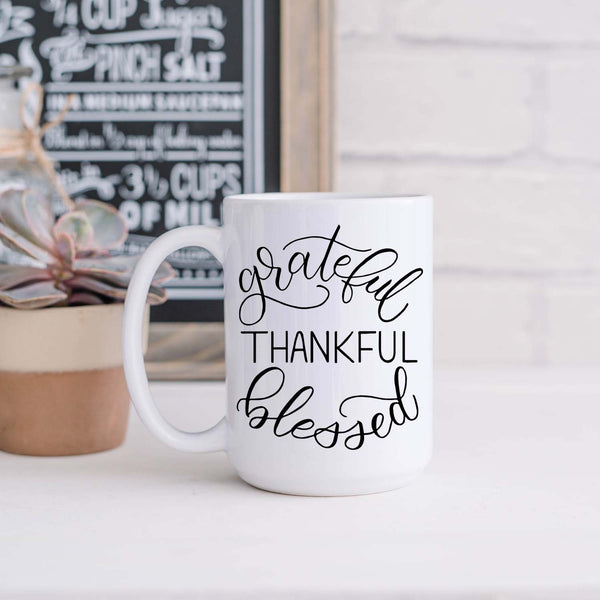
(328, 346)
(353, 432)
(324, 260)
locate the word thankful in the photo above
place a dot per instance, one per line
(353, 432)
(327, 346)
(324, 260)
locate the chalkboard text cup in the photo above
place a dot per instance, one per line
(328, 320)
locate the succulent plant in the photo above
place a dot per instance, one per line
(65, 261)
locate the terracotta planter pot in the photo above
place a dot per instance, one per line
(62, 387)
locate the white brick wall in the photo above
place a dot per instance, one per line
(573, 323)
(527, 22)
(496, 220)
(572, 111)
(497, 318)
(420, 102)
(493, 108)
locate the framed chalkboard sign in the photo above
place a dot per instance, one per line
(176, 104)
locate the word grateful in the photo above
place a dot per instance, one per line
(326, 260)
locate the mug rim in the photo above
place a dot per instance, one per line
(321, 197)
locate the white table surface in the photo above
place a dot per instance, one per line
(509, 508)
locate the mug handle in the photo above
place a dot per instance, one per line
(212, 439)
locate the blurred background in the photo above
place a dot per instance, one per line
(494, 109)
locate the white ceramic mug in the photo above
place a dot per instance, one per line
(328, 320)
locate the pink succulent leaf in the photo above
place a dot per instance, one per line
(84, 298)
(115, 264)
(76, 224)
(113, 269)
(29, 214)
(16, 275)
(164, 273)
(120, 280)
(65, 246)
(40, 218)
(15, 241)
(95, 285)
(118, 269)
(35, 295)
(110, 230)
(156, 295)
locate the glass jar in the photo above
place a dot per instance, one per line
(17, 170)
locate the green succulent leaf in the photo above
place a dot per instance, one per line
(109, 227)
(35, 295)
(15, 241)
(29, 214)
(14, 275)
(78, 227)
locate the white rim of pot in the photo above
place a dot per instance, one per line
(73, 338)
